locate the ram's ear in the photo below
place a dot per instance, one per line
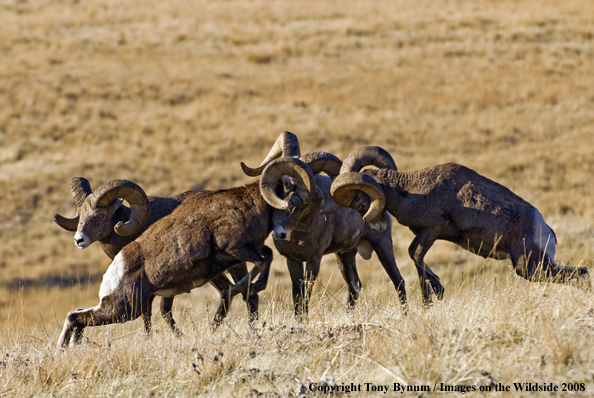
(329, 207)
(324, 202)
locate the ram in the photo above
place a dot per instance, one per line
(208, 233)
(307, 233)
(101, 217)
(453, 203)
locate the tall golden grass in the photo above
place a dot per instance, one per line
(173, 95)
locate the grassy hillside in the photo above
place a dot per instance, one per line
(173, 95)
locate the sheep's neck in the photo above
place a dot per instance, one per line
(396, 186)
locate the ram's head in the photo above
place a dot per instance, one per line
(361, 192)
(288, 184)
(96, 219)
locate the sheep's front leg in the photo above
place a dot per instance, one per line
(296, 273)
(302, 284)
(348, 268)
(417, 251)
(237, 273)
(312, 270)
(385, 252)
(262, 260)
(251, 301)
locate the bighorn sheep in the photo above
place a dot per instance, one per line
(454, 203)
(321, 227)
(208, 233)
(101, 217)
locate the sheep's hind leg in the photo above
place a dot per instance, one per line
(103, 314)
(562, 274)
(417, 251)
(532, 269)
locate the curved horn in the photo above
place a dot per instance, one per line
(80, 189)
(323, 161)
(130, 192)
(278, 168)
(368, 156)
(286, 145)
(69, 224)
(344, 188)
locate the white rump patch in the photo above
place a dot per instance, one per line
(112, 277)
(544, 237)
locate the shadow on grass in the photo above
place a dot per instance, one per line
(51, 281)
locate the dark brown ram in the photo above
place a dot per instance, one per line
(208, 233)
(453, 203)
(305, 233)
(102, 218)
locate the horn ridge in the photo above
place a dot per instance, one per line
(80, 189)
(323, 162)
(345, 186)
(133, 194)
(278, 168)
(368, 156)
(286, 145)
(69, 224)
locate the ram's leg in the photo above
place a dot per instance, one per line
(417, 251)
(110, 310)
(256, 287)
(146, 316)
(296, 273)
(561, 274)
(312, 270)
(385, 252)
(348, 268)
(261, 260)
(302, 282)
(167, 314)
(72, 327)
(238, 272)
(530, 267)
(222, 283)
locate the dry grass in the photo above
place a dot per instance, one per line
(173, 95)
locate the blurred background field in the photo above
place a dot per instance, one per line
(173, 95)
